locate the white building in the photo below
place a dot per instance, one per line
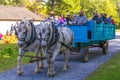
(9, 15)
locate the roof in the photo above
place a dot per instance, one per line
(10, 13)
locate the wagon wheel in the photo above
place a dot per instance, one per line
(105, 47)
(84, 54)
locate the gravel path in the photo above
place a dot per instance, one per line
(77, 69)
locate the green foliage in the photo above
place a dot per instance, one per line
(6, 51)
(64, 6)
(10, 2)
(110, 7)
(11, 61)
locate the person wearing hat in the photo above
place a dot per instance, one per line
(51, 16)
(105, 20)
(68, 19)
(95, 16)
(81, 19)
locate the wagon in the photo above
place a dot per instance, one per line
(92, 34)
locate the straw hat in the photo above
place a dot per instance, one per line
(51, 12)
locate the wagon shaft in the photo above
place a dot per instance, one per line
(33, 58)
(37, 59)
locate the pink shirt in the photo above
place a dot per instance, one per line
(1, 35)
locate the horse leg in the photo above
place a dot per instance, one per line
(65, 60)
(19, 65)
(37, 69)
(49, 64)
(51, 58)
(41, 62)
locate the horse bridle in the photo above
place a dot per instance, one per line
(57, 39)
(23, 39)
(27, 43)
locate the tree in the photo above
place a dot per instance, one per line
(10, 2)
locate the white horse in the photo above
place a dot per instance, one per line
(56, 41)
(28, 41)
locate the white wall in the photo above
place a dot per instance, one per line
(6, 25)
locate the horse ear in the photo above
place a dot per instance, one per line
(16, 22)
(24, 18)
(32, 20)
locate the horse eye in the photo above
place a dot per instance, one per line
(24, 32)
(19, 30)
(48, 34)
(40, 34)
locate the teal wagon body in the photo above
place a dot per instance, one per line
(92, 34)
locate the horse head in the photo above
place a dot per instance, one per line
(49, 34)
(45, 34)
(24, 32)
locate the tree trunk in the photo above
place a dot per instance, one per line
(52, 5)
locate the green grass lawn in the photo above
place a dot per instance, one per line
(10, 61)
(108, 71)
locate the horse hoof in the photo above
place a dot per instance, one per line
(67, 65)
(41, 67)
(20, 73)
(64, 69)
(37, 71)
(52, 74)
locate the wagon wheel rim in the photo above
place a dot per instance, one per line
(107, 43)
(86, 54)
(105, 47)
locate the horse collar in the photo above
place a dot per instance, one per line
(32, 35)
(54, 35)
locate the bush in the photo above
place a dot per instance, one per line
(6, 51)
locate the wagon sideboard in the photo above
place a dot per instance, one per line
(92, 34)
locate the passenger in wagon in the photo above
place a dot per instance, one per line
(111, 20)
(97, 17)
(105, 18)
(81, 19)
(68, 19)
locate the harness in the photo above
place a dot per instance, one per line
(55, 38)
(64, 41)
(55, 35)
(32, 36)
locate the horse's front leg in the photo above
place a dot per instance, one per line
(51, 59)
(37, 69)
(19, 65)
(41, 62)
(65, 60)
